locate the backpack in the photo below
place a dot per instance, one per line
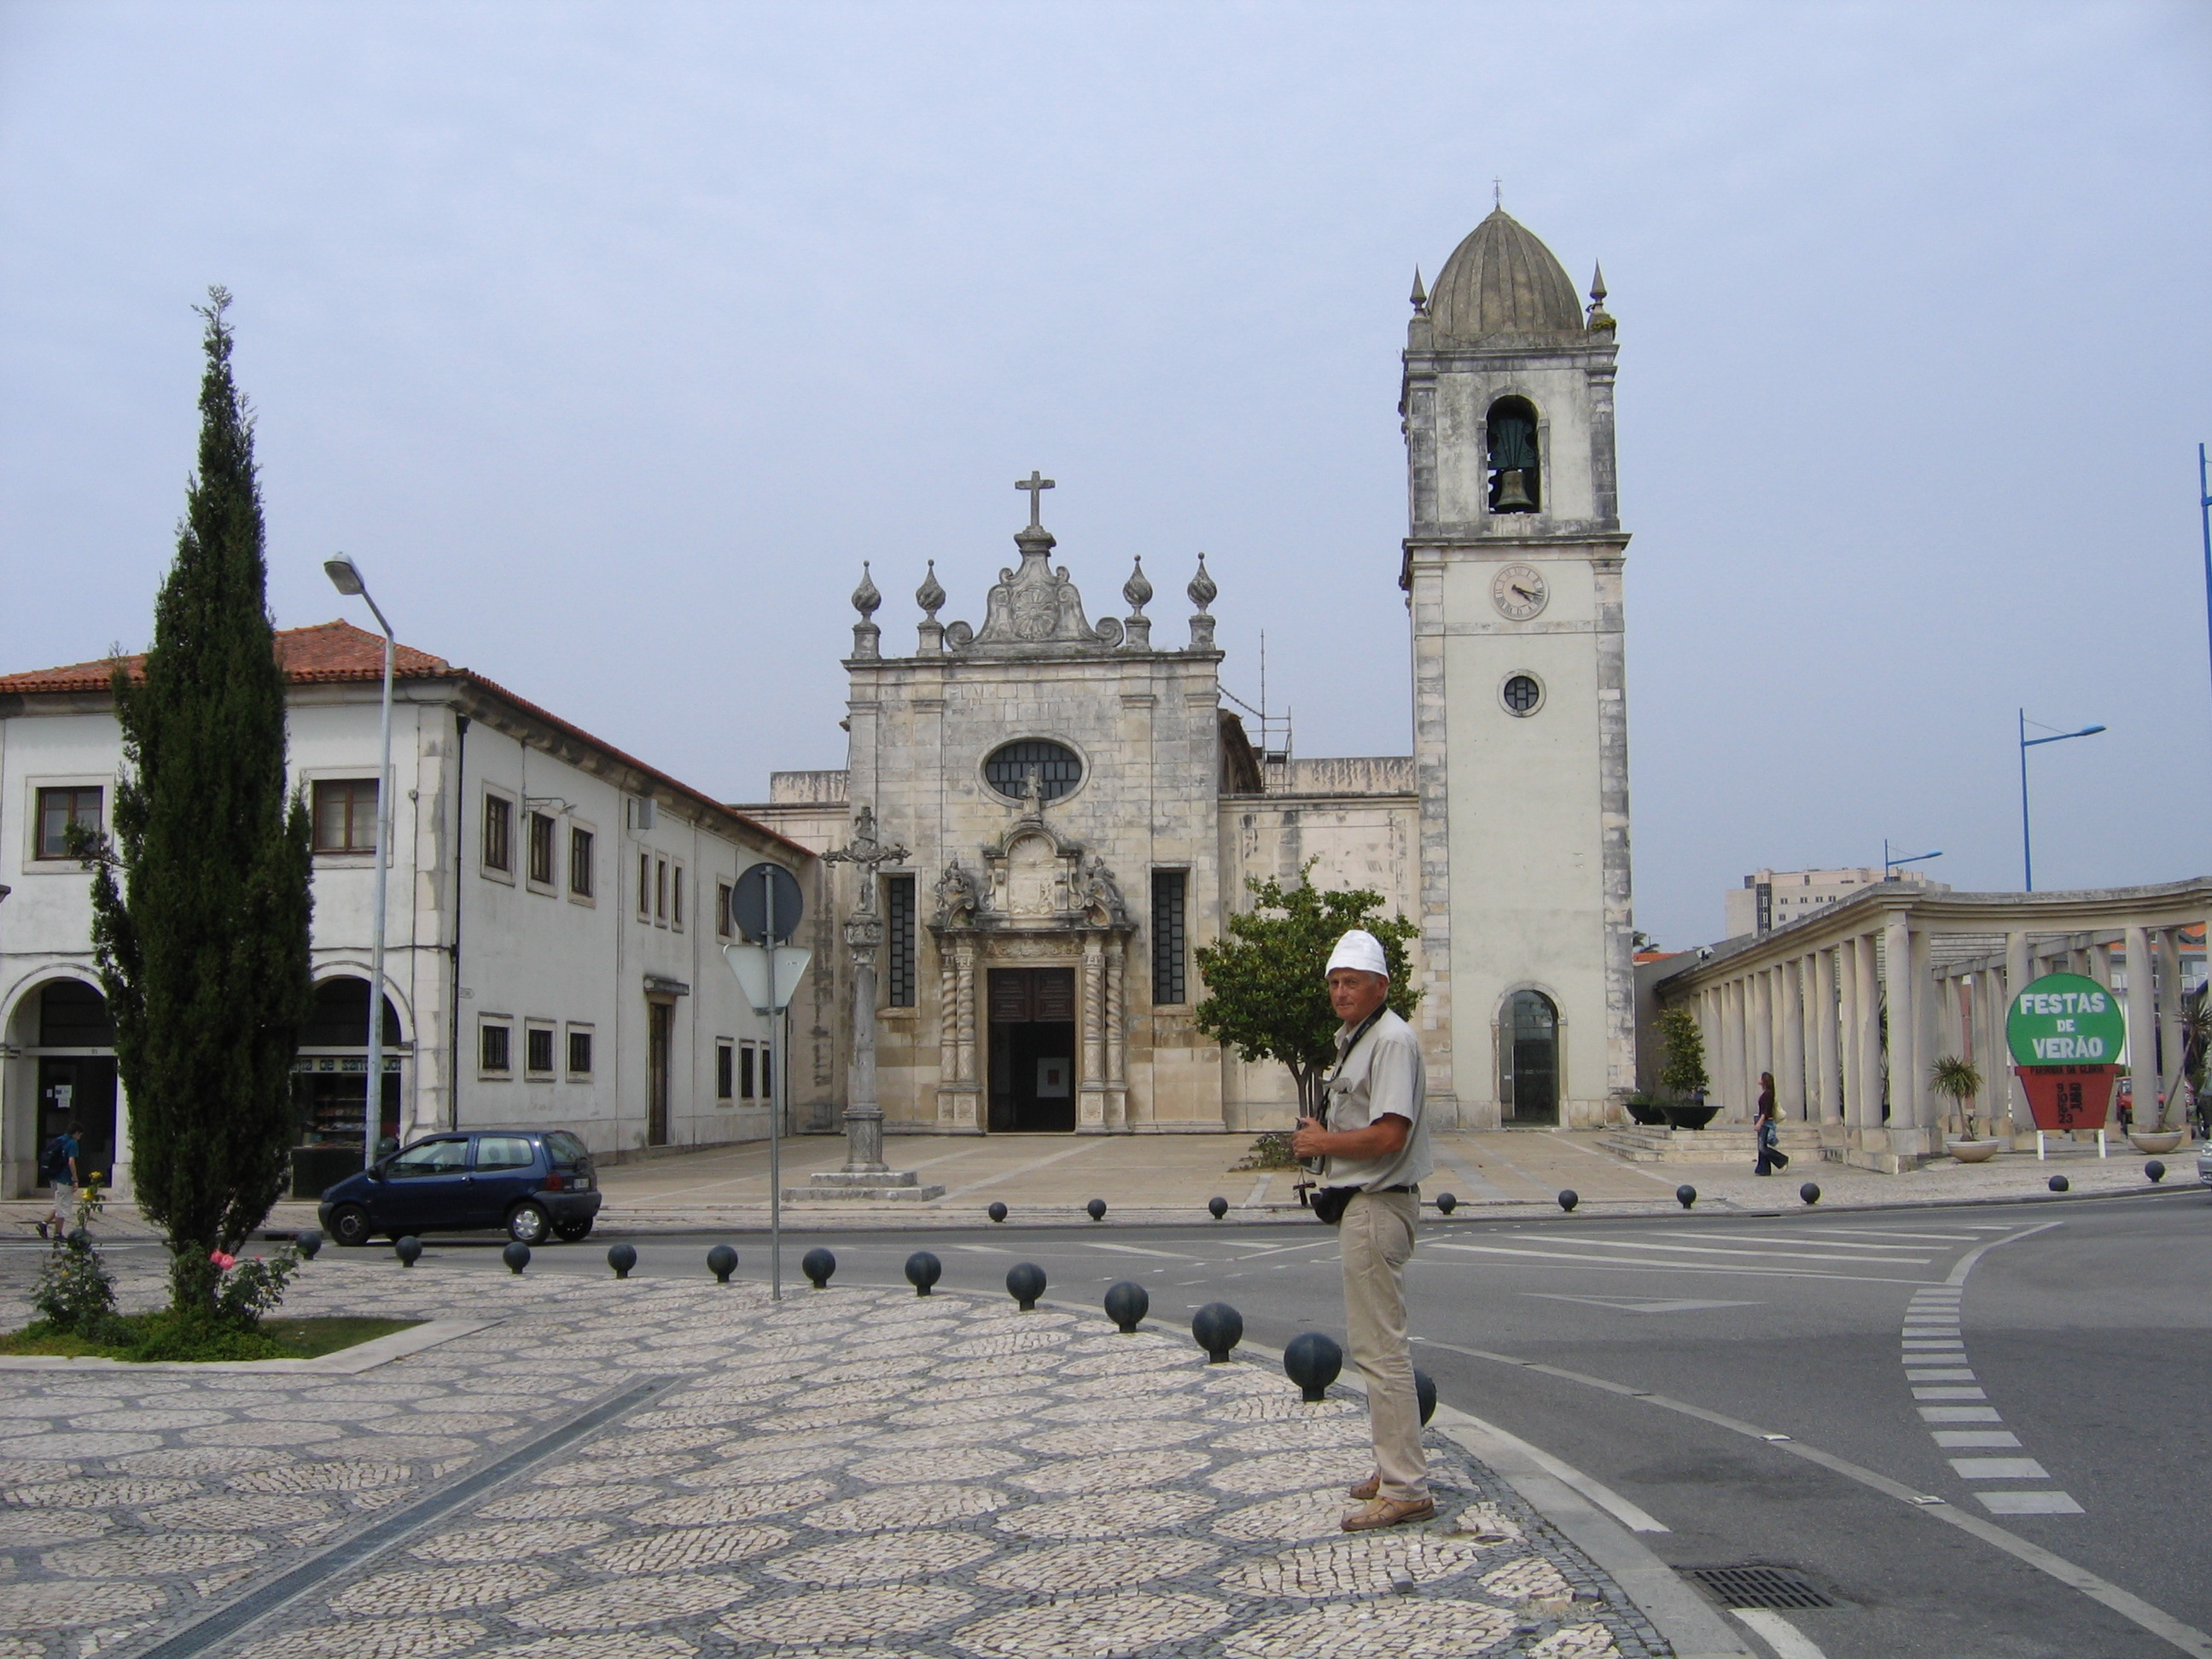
(53, 1162)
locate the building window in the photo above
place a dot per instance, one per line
(645, 887)
(675, 898)
(723, 894)
(579, 1053)
(541, 850)
(61, 810)
(498, 833)
(1522, 694)
(1170, 936)
(660, 889)
(1058, 768)
(492, 1052)
(725, 1070)
(746, 1072)
(538, 1050)
(1515, 467)
(345, 814)
(579, 862)
(898, 916)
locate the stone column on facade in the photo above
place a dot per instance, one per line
(1790, 1081)
(1761, 1022)
(1709, 1027)
(1902, 1000)
(1117, 1036)
(948, 1027)
(1926, 1103)
(2142, 1029)
(2017, 973)
(1847, 1058)
(864, 1114)
(1090, 1016)
(1825, 1105)
(2166, 947)
(1731, 1051)
(1873, 1084)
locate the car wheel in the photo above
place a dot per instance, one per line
(527, 1223)
(349, 1224)
(572, 1233)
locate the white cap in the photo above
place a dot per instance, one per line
(1360, 949)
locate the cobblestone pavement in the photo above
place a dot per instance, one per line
(851, 1471)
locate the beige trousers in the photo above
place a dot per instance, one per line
(1378, 1240)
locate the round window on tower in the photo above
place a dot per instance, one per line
(1522, 694)
(1057, 768)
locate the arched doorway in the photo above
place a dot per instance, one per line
(73, 1047)
(330, 1084)
(1528, 1059)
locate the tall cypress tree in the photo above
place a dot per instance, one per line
(201, 902)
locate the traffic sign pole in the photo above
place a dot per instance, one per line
(776, 1087)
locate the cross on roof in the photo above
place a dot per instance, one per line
(1036, 483)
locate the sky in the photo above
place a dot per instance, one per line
(611, 339)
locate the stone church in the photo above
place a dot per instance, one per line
(1062, 806)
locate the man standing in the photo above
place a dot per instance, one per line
(59, 1166)
(1376, 1146)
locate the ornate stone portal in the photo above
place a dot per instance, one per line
(1041, 899)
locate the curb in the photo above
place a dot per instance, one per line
(345, 1362)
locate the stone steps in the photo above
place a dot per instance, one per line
(1641, 1143)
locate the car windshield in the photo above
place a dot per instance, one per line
(429, 1157)
(566, 1147)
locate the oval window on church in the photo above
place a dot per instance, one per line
(1058, 768)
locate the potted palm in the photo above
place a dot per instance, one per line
(1960, 1080)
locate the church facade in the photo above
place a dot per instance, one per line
(1066, 808)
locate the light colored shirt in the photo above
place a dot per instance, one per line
(1383, 1077)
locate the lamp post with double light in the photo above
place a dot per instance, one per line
(345, 576)
(2027, 743)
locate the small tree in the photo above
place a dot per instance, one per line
(200, 901)
(1266, 978)
(1682, 1072)
(1960, 1080)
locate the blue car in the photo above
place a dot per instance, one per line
(531, 1183)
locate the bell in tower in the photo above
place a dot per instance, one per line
(1513, 465)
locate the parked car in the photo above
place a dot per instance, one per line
(530, 1183)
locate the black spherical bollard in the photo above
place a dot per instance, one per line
(1216, 1206)
(407, 1249)
(2156, 1170)
(1685, 1196)
(997, 1211)
(516, 1256)
(1025, 1283)
(1568, 1199)
(2060, 1183)
(622, 1258)
(1126, 1305)
(1218, 1328)
(1446, 1203)
(1096, 1206)
(817, 1264)
(922, 1271)
(1313, 1362)
(309, 1244)
(1425, 1391)
(721, 1261)
(1810, 1192)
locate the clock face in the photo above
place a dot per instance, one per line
(1519, 592)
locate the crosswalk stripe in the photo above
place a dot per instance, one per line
(1707, 1250)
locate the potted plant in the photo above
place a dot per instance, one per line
(1682, 1074)
(1962, 1080)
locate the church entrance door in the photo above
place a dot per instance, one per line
(1032, 1049)
(1531, 1046)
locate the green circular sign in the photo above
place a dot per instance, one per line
(2066, 1019)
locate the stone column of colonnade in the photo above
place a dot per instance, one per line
(1827, 1100)
(1762, 1035)
(1732, 1041)
(1849, 1065)
(1790, 1075)
(2016, 976)
(2168, 943)
(1868, 1036)
(2142, 1028)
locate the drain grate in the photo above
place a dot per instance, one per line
(1759, 1587)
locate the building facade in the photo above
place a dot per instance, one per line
(1774, 898)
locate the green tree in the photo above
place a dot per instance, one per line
(1266, 980)
(200, 900)
(1959, 1080)
(1682, 1072)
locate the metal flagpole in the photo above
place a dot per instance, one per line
(775, 1088)
(2205, 513)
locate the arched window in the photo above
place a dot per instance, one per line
(1528, 1059)
(1516, 469)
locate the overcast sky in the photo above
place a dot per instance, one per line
(609, 339)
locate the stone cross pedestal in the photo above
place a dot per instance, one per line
(864, 1175)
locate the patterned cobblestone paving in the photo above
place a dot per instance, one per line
(851, 1473)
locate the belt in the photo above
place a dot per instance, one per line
(1390, 1189)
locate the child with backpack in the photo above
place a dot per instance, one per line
(58, 1169)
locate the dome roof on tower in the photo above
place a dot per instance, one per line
(1501, 281)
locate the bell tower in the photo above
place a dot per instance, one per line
(1512, 571)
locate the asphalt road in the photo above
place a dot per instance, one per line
(2078, 1373)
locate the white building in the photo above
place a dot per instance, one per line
(554, 920)
(1774, 898)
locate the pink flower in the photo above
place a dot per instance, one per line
(225, 1262)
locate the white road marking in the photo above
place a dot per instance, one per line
(1139, 1249)
(1948, 1394)
(1969, 1439)
(1614, 1264)
(2029, 1502)
(1640, 1306)
(1764, 1238)
(978, 1249)
(1891, 1232)
(1778, 1633)
(2000, 1468)
(1756, 1256)
(1959, 1414)
(1954, 1374)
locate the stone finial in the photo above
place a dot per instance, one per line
(866, 636)
(1202, 592)
(931, 595)
(1598, 321)
(1420, 294)
(1138, 592)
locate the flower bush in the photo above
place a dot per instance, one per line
(75, 1291)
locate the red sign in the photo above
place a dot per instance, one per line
(2068, 1097)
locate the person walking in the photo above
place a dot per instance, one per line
(1374, 1145)
(58, 1169)
(1768, 1129)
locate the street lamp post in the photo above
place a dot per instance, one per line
(1889, 864)
(2027, 743)
(345, 576)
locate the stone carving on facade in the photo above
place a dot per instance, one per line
(1097, 890)
(1034, 607)
(959, 896)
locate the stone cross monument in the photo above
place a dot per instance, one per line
(865, 1174)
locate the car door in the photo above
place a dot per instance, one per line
(425, 1187)
(507, 1168)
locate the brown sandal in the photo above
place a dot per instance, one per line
(1380, 1512)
